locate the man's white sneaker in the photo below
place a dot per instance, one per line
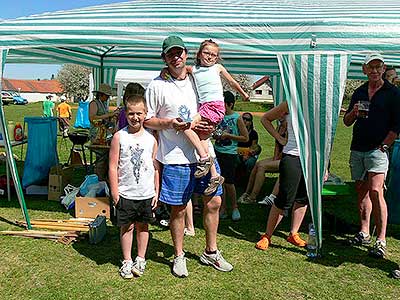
(217, 261)
(126, 270)
(179, 266)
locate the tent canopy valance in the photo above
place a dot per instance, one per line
(309, 46)
(128, 35)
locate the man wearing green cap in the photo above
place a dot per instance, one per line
(172, 104)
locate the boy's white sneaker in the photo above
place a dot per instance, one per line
(138, 267)
(126, 270)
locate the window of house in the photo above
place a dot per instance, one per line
(258, 92)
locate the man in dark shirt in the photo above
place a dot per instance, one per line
(374, 110)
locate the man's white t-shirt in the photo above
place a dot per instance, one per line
(173, 99)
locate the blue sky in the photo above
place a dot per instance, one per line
(19, 8)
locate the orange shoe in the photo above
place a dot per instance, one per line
(263, 243)
(296, 240)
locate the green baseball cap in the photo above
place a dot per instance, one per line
(172, 42)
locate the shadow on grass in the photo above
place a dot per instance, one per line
(336, 252)
(35, 203)
(109, 250)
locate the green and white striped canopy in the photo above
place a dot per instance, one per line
(129, 34)
(308, 46)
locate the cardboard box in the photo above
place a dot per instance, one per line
(58, 179)
(87, 207)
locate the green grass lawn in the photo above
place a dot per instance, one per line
(41, 269)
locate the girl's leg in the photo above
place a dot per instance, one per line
(126, 237)
(142, 238)
(264, 166)
(213, 170)
(196, 142)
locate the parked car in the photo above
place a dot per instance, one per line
(18, 99)
(6, 97)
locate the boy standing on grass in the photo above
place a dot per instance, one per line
(131, 170)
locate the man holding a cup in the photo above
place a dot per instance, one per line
(374, 110)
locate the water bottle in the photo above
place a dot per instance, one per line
(311, 242)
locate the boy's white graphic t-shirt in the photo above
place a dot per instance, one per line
(135, 167)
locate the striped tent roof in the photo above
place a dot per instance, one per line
(129, 34)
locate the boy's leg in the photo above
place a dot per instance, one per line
(142, 238)
(126, 237)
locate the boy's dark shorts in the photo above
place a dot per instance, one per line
(227, 163)
(131, 211)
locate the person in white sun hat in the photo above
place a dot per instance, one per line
(374, 113)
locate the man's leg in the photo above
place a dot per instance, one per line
(212, 256)
(177, 225)
(211, 220)
(379, 208)
(189, 226)
(364, 205)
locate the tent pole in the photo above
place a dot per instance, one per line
(13, 168)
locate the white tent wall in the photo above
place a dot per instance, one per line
(250, 34)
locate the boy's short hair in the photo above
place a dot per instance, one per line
(133, 88)
(229, 98)
(135, 99)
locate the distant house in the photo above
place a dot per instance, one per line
(261, 91)
(34, 90)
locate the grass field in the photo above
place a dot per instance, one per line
(40, 269)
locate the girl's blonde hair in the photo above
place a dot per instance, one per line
(202, 45)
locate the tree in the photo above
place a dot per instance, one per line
(74, 80)
(243, 80)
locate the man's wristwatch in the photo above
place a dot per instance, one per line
(383, 147)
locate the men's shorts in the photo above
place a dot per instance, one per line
(292, 186)
(178, 183)
(374, 161)
(131, 211)
(228, 166)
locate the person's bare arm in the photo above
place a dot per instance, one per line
(113, 168)
(157, 173)
(166, 123)
(243, 133)
(276, 113)
(350, 117)
(233, 83)
(93, 113)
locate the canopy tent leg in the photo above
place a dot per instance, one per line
(314, 88)
(7, 145)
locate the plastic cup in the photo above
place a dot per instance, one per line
(363, 109)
